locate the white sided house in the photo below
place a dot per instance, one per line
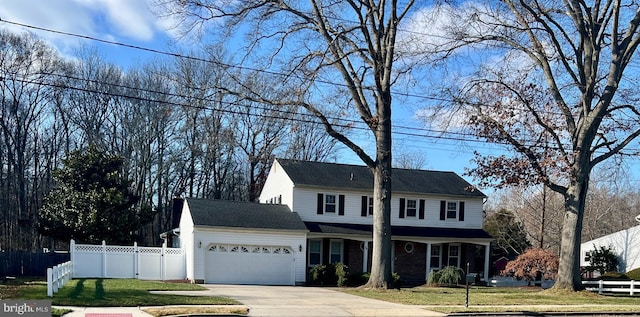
(624, 243)
(314, 213)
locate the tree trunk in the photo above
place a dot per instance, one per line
(569, 277)
(381, 253)
(381, 256)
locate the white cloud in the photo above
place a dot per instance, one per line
(118, 20)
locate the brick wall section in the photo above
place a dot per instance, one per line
(410, 266)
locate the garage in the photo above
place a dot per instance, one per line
(249, 264)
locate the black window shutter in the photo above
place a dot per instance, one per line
(421, 211)
(461, 211)
(401, 208)
(320, 204)
(443, 207)
(341, 205)
(364, 209)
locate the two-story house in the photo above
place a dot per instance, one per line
(319, 213)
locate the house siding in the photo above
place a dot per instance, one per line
(278, 184)
(306, 201)
(209, 236)
(625, 244)
(187, 239)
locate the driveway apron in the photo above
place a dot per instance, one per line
(283, 301)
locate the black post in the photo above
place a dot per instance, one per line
(466, 303)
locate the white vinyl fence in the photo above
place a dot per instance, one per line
(111, 261)
(630, 287)
(57, 276)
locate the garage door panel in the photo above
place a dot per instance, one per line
(241, 264)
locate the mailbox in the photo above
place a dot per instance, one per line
(471, 278)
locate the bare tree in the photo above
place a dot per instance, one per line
(316, 42)
(555, 87)
(26, 65)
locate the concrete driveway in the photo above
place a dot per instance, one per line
(282, 301)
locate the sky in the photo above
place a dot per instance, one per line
(132, 22)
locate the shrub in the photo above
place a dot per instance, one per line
(317, 274)
(602, 260)
(533, 263)
(396, 280)
(434, 278)
(613, 276)
(450, 275)
(634, 274)
(357, 279)
(341, 274)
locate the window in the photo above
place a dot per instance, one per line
(335, 251)
(366, 208)
(315, 252)
(330, 203)
(435, 256)
(454, 255)
(411, 207)
(452, 210)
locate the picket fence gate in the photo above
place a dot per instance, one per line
(113, 261)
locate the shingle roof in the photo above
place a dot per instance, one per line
(397, 231)
(234, 214)
(360, 177)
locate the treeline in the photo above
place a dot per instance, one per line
(171, 120)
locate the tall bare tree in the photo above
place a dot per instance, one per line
(316, 43)
(26, 65)
(555, 86)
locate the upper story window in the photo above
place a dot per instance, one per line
(451, 210)
(366, 207)
(330, 204)
(412, 208)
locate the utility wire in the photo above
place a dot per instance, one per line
(267, 72)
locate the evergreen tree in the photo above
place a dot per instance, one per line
(92, 201)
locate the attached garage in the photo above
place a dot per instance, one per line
(250, 264)
(231, 242)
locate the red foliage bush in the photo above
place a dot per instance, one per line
(534, 262)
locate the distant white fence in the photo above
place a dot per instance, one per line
(111, 261)
(505, 281)
(57, 276)
(631, 287)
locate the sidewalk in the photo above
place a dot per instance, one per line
(125, 311)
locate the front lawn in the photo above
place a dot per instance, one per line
(111, 292)
(498, 299)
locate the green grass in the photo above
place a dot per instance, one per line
(500, 299)
(111, 292)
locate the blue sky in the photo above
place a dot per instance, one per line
(132, 22)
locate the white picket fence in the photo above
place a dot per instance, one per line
(112, 261)
(631, 287)
(57, 276)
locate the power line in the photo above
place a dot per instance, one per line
(462, 136)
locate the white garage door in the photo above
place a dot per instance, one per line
(249, 264)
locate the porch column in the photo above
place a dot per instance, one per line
(428, 265)
(365, 255)
(487, 253)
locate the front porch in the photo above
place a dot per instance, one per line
(413, 257)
